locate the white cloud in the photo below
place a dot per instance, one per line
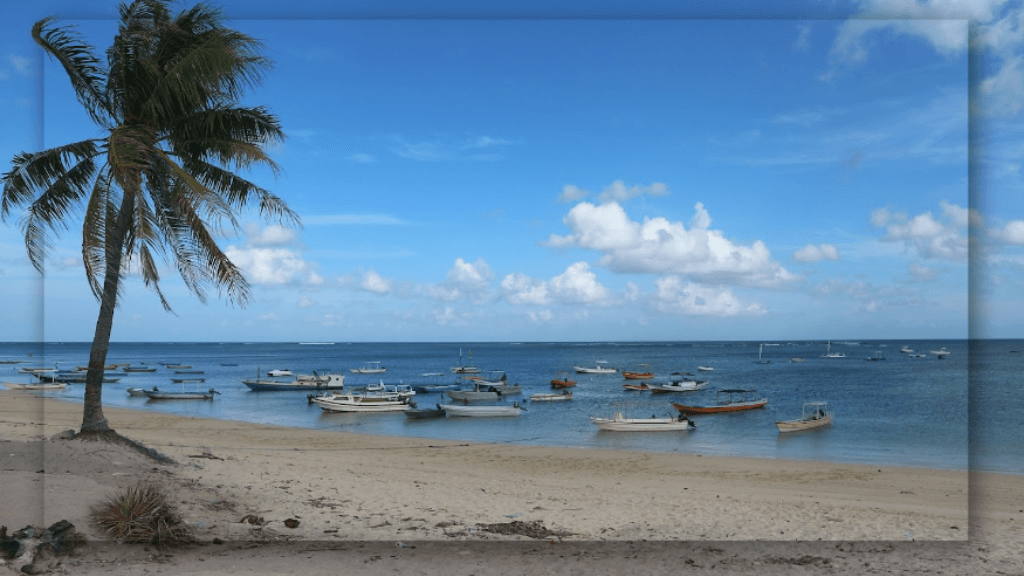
(445, 148)
(578, 284)
(920, 273)
(464, 280)
(273, 235)
(541, 316)
(374, 282)
(658, 246)
(272, 266)
(521, 289)
(306, 302)
(572, 193)
(696, 300)
(930, 237)
(1011, 233)
(812, 253)
(332, 320)
(618, 192)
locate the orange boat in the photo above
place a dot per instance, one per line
(643, 374)
(728, 401)
(562, 381)
(640, 387)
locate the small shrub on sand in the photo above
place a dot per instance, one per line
(141, 513)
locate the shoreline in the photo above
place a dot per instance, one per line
(383, 491)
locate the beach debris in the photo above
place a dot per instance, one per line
(291, 523)
(65, 435)
(141, 513)
(36, 551)
(532, 529)
(252, 519)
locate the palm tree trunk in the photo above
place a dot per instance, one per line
(93, 420)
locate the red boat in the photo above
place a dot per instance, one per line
(645, 374)
(728, 401)
(562, 381)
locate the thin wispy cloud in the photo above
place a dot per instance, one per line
(353, 220)
(476, 148)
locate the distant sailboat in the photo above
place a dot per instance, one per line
(831, 354)
(759, 359)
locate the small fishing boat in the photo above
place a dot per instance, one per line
(178, 366)
(551, 397)
(107, 367)
(414, 412)
(35, 386)
(562, 380)
(229, 363)
(138, 369)
(435, 386)
(302, 382)
(462, 368)
(814, 415)
(138, 391)
(906, 350)
(188, 371)
(641, 387)
(156, 394)
(70, 379)
(366, 402)
(619, 423)
(875, 357)
(727, 401)
(796, 359)
(482, 411)
(599, 369)
(678, 382)
(643, 372)
(37, 370)
(188, 380)
(493, 378)
(705, 369)
(941, 352)
(370, 368)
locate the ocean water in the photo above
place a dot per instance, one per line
(954, 413)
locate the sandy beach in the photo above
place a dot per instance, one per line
(431, 507)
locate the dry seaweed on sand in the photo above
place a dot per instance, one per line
(141, 513)
(533, 529)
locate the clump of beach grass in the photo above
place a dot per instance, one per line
(143, 514)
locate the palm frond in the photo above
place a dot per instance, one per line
(231, 136)
(83, 68)
(33, 172)
(240, 192)
(100, 214)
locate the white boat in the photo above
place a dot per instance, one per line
(312, 381)
(813, 415)
(155, 394)
(759, 359)
(367, 402)
(599, 369)
(35, 386)
(278, 373)
(493, 378)
(400, 390)
(677, 386)
(463, 369)
(830, 354)
(37, 370)
(370, 368)
(796, 359)
(906, 350)
(137, 392)
(940, 352)
(705, 369)
(619, 423)
(482, 411)
(551, 397)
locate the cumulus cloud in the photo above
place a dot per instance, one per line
(306, 302)
(943, 237)
(1011, 233)
(692, 299)
(464, 280)
(267, 259)
(577, 285)
(617, 191)
(572, 193)
(374, 282)
(812, 253)
(919, 273)
(659, 246)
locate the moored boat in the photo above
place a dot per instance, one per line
(462, 368)
(138, 369)
(370, 368)
(641, 387)
(705, 369)
(482, 411)
(619, 423)
(156, 394)
(551, 397)
(599, 369)
(814, 415)
(415, 413)
(562, 380)
(366, 402)
(301, 382)
(35, 386)
(188, 380)
(678, 382)
(727, 401)
(643, 372)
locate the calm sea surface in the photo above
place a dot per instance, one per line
(956, 413)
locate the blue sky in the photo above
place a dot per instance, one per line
(538, 172)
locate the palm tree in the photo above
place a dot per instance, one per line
(160, 181)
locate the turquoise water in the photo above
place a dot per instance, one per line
(955, 413)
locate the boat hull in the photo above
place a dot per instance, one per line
(480, 411)
(16, 386)
(158, 395)
(551, 397)
(798, 425)
(619, 424)
(736, 407)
